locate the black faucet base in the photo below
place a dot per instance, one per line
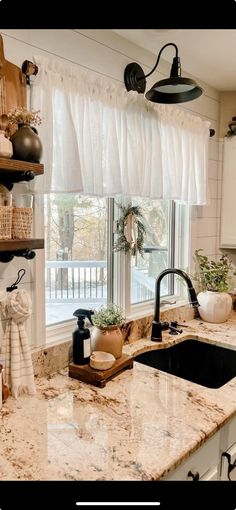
(157, 328)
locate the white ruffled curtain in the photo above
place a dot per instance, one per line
(100, 140)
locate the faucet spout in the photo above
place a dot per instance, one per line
(157, 327)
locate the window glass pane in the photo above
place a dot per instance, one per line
(156, 256)
(76, 254)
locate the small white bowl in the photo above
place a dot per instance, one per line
(101, 360)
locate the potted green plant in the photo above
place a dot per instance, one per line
(106, 335)
(213, 281)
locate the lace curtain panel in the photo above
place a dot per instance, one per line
(100, 140)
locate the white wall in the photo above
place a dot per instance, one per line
(227, 111)
(106, 53)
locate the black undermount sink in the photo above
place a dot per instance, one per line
(196, 361)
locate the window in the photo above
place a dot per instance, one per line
(83, 271)
(158, 253)
(76, 254)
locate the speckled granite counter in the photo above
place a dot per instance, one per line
(140, 426)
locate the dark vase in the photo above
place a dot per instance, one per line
(27, 145)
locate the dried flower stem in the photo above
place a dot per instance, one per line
(21, 115)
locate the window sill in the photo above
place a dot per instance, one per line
(62, 332)
(58, 333)
(140, 311)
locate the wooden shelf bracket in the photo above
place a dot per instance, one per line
(10, 179)
(7, 256)
(19, 248)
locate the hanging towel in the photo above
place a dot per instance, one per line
(16, 308)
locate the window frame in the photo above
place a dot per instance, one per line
(118, 263)
(124, 296)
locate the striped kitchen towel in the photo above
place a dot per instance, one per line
(16, 308)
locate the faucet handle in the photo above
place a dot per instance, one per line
(174, 330)
(175, 324)
(164, 325)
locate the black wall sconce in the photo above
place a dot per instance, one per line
(175, 89)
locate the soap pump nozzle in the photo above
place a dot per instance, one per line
(82, 314)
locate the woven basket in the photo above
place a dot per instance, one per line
(22, 219)
(5, 222)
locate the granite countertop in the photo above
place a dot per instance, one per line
(140, 426)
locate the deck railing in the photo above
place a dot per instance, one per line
(77, 280)
(82, 280)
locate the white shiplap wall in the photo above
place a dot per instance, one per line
(106, 53)
(206, 219)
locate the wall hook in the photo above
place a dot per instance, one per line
(20, 275)
(29, 69)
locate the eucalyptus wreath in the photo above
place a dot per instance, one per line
(130, 230)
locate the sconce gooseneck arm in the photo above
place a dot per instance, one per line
(158, 59)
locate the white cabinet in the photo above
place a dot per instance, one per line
(201, 465)
(228, 464)
(209, 462)
(211, 475)
(228, 205)
(228, 451)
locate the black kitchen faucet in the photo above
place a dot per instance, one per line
(157, 325)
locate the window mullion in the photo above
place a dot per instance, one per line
(182, 239)
(38, 326)
(110, 253)
(171, 244)
(121, 273)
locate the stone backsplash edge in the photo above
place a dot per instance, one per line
(49, 360)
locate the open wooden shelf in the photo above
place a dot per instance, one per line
(12, 171)
(21, 244)
(19, 248)
(15, 165)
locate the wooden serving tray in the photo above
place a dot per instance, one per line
(99, 377)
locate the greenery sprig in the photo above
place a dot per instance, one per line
(134, 242)
(211, 275)
(110, 315)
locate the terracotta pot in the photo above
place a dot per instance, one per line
(27, 145)
(214, 306)
(107, 339)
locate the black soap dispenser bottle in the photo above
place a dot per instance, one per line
(81, 338)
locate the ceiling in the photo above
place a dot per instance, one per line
(208, 54)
